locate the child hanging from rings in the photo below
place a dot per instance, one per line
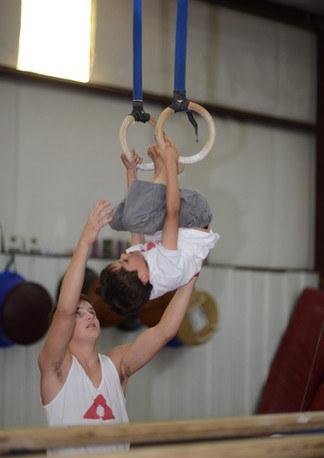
(177, 219)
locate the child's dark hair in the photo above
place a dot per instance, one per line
(122, 290)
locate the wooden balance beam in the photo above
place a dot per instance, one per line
(300, 446)
(216, 433)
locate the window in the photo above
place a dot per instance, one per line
(56, 38)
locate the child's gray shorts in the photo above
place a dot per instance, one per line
(143, 209)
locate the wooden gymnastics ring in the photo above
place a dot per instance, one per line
(211, 132)
(123, 142)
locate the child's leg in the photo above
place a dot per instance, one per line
(117, 222)
(143, 209)
(194, 209)
(159, 169)
(142, 201)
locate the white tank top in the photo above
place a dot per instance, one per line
(80, 403)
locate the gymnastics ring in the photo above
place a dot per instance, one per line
(123, 142)
(211, 132)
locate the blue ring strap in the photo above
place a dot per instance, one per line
(180, 102)
(138, 111)
(137, 50)
(181, 47)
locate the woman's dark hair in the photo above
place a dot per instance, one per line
(122, 290)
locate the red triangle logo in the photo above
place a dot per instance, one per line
(99, 409)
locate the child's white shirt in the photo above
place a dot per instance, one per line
(170, 269)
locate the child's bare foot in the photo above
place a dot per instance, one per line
(157, 160)
(160, 173)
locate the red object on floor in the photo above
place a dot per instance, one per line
(295, 380)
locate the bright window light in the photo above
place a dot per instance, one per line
(55, 38)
